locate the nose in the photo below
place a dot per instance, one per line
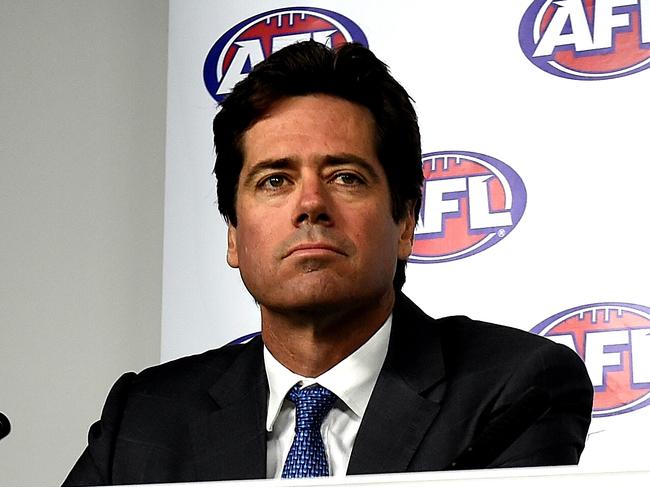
(312, 205)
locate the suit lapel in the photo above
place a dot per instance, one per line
(406, 398)
(230, 442)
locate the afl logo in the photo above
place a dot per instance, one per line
(470, 201)
(587, 39)
(253, 40)
(613, 339)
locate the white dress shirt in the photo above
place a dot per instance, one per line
(352, 380)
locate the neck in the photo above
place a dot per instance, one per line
(311, 342)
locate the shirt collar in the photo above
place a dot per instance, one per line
(352, 379)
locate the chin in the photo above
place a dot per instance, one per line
(315, 298)
(315, 295)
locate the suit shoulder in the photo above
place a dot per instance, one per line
(464, 337)
(468, 329)
(194, 371)
(464, 340)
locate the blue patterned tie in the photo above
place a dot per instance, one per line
(307, 456)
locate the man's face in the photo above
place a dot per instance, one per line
(314, 223)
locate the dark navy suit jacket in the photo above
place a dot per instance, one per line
(448, 385)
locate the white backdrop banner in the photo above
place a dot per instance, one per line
(536, 160)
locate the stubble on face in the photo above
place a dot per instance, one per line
(316, 243)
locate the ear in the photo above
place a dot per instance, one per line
(232, 257)
(407, 230)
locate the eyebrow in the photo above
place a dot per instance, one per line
(342, 159)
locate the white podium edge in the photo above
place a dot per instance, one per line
(563, 476)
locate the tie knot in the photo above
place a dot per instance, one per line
(312, 405)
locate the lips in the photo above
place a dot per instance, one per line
(314, 248)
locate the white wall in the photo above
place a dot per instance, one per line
(82, 140)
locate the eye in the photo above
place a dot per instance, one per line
(348, 179)
(274, 181)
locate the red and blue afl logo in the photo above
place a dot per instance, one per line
(253, 40)
(470, 201)
(587, 39)
(613, 339)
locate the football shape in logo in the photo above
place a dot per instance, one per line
(253, 40)
(613, 339)
(470, 201)
(587, 39)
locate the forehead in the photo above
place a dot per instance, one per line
(311, 126)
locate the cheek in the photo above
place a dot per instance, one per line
(378, 243)
(257, 244)
(248, 243)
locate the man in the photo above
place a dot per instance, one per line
(319, 176)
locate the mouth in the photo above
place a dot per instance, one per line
(314, 249)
